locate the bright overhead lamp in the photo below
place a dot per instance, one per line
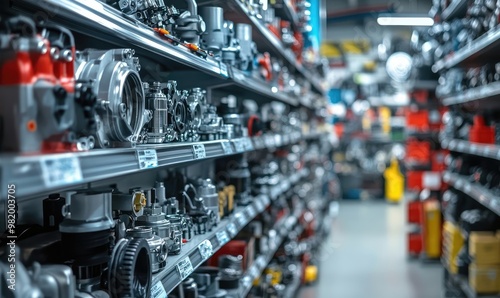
(414, 21)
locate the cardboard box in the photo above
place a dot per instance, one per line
(484, 248)
(484, 279)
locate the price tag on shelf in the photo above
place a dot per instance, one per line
(259, 142)
(248, 144)
(251, 212)
(206, 249)
(223, 69)
(238, 145)
(266, 200)
(184, 267)
(241, 219)
(226, 147)
(199, 151)
(253, 272)
(59, 171)
(259, 205)
(222, 237)
(158, 291)
(233, 230)
(147, 159)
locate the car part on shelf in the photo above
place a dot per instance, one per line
(204, 219)
(231, 49)
(207, 191)
(52, 214)
(207, 279)
(239, 176)
(230, 109)
(37, 75)
(264, 177)
(213, 37)
(129, 272)
(195, 101)
(157, 246)
(132, 202)
(86, 236)
(177, 111)
(247, 48)
(156, 101)
(231, 271)
(120, 109)
(211, 124)
(189, 25)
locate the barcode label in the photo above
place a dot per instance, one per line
(227, 148)
(199, 151)
(239, 146)
(147, 159)
(206, 249)
(158, 291)
(185, 268)
(59, 171)
(222, 237)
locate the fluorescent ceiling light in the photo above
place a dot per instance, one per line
(405, 21)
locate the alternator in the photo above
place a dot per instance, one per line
(120, 110)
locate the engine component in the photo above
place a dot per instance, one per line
(157, 102)
(133, 202)
(264, 177)
(157, 246)
(207, 279)
(213, 38)
(227, 131)
(203, 218)
(230, 52)
(194, 103)
(211, 124)
(231, 271)
(229, 107)
(86, 236)
(189, 25)
(177, 112)
(239, 176)
(37, 77)
(129, 273)
(177, 227)
(52, 211)
(190, 288)
(248, 49)
(208, 191)
(120, 110)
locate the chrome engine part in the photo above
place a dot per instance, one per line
(120, 108)
(157, 246)
(132, 202)
(207, 190)
(194, 103)
(213, 37)
(156, 101)
(247, 48)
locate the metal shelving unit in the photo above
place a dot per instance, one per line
(265, 39)
(484, 150)
(482, 93)
(202, 247)
(464, 286)
(34, 174)
(474, 190)
(282, 227)
(111, 26)
(483, 47)
(455, 9)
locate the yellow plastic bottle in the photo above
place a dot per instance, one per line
(394, 183)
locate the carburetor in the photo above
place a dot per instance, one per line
(157, 247)
(194, 103)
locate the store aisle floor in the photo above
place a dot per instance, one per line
(365, 256)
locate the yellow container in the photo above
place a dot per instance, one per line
(394, 183)
(432, 235)
(453, 242)
(484, 279)
(484, 248)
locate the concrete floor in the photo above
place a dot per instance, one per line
(365, 256)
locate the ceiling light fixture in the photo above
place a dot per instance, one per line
(404, 21)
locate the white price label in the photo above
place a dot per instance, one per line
(199, 151)
(266, 201)
(239, 146)
(241, 219)
(59, 171)
(222, 237)
(158, 291)
(248, 144)
(253, 272)
(206, 249)
(223, 69)
(259, 205)
(227, 148)
(251, 212)
(233, 230)
(185, 268)
(147, 159)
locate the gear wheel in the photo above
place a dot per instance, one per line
(130, 269)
